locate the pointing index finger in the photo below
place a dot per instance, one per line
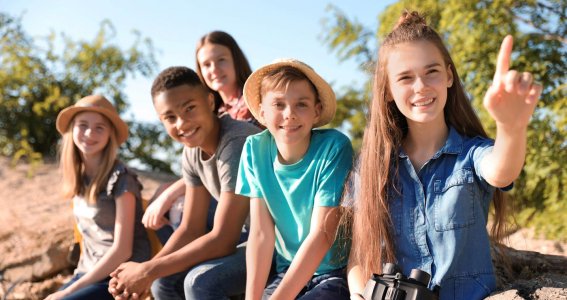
(503, 60)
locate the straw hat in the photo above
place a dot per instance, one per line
(326, 95)
(94, 103)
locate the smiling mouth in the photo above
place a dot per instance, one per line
(290, 127)
(89, 143)
(189, 133)
(423, 102)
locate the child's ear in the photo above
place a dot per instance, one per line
(262, 120)
(211, 101)
(449, 77)
(318, 111)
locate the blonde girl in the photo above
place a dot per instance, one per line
(427, 172)
(105, 195)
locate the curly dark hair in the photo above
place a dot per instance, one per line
(173, 77)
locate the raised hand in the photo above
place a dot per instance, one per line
(512, 97)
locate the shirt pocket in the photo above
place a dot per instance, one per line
(454, 205)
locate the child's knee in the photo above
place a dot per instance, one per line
(200, 278)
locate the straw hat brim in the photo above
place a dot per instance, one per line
(66, 115)
(327, 97)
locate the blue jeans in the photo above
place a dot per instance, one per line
(219, 278)
(95, 291)
(329, 286)
(166, 231)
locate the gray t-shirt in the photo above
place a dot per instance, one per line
(96, 222)
(218, 173)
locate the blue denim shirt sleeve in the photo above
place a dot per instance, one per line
(479, 151)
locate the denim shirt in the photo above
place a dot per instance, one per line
(439, 217)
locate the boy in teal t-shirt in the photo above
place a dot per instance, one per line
(294, 175)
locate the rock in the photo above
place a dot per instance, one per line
(529, 274)
(507, 295)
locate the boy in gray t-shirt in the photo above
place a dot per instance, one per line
(196, 263)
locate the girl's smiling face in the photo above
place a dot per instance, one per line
(217, 66)
(418, 79)
(91, 133)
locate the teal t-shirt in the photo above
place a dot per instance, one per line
(292, 191)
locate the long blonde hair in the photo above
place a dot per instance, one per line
(372, 241)
(72, 167)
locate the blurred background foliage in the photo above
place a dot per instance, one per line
(37, 80)
(473, 32)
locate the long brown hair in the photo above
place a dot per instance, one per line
(242, 68)
(72, 167)
(372, 241)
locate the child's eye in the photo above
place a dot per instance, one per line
(190, 108)
(169, 119)
(302, 104)
(404, 78)
(99, 129)
(432, 71)
(279, 105)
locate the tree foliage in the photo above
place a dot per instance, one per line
(473, 31)
(39, 77)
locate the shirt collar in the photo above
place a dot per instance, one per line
(454, 143)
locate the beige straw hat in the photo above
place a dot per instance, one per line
(326, 95)
(94, 103)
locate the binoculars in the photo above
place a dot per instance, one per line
(393, 285)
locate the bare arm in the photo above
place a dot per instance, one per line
(510, 101)
(324, 222)
(259, 250)
(190, 244)
(121, 249)
(222, 240)
(154, 216)
(356, 281)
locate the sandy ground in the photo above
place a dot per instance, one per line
(36, 227)
(35, 221)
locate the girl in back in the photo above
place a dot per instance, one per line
(427, 171)
(106, 196)
(221, 64)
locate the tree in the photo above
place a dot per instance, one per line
(37, 80)
(473, 31)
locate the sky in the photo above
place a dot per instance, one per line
(265, 30)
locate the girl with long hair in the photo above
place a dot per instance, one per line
(222, 66)
(105, 194)
(428, 172)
